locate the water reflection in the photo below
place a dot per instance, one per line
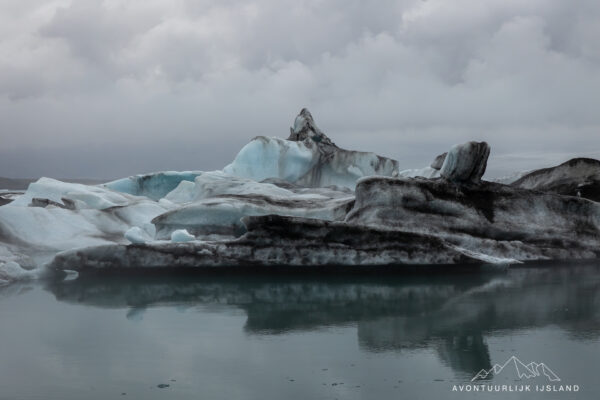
(449, 314)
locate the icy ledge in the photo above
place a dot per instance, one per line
(393, 221)
(276, 241)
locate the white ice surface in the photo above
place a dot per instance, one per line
(101, 216)
(217, 183)
(222, 213)
(154, 186)
(137, 235)
(84, 196)
(14, 265)
(265, 157)
(307, 164)
(11, 271)
(181, 236)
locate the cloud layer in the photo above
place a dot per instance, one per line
(92, 88)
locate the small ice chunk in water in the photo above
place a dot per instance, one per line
(182, 235)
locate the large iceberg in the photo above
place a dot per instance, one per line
(303, 202)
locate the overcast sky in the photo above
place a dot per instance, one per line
(104, 89)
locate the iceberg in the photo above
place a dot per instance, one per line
(310, 160)
(304, 202)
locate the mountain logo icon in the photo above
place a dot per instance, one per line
(527, 371)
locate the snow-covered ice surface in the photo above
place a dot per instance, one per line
(304, 202)
(78, 215)
(83, 196)
(69, 216)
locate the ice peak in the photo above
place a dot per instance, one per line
(305, 128)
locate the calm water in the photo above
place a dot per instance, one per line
(289, 338)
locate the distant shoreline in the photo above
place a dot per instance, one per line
(23, 183)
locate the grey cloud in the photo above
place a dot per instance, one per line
(403, 78)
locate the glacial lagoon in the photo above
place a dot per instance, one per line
(303, 337)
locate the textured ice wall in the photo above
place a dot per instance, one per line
(466, 162)
(307, 163)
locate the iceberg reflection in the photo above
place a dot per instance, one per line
(451, 314)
